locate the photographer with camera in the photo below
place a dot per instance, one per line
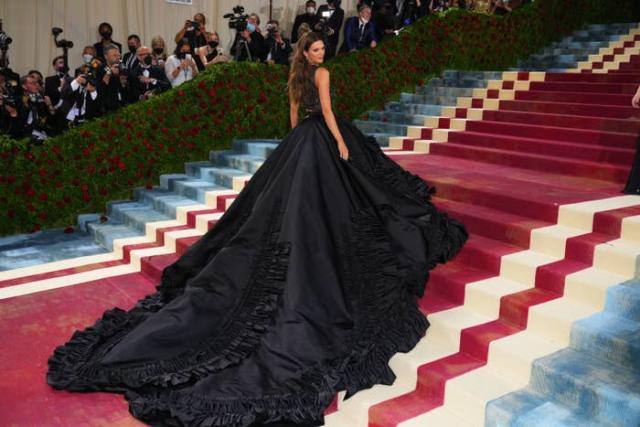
(53, 86)
(113, 83)
(359, 31)
(249, 44)
(159, 53)
(80, 100)
(28, 114)
(279, 48)
(309, 17)
(147, 79)
(330, 21)
(180, 67)
(212, 52)
(106, 31)
(194, 31)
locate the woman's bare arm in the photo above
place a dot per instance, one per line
(293, 113)
(322, 81)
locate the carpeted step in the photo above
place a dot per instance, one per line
(370, 127)
(248, 163)
(492, 223)
(629, 78)
(526, 408)
(613, 173)
(611, 338)
(585, 87)
(414, 108)
(602, 99)
(598, 389)
(554, 133)
(624, 300)
(594, 110)
(547, 147)
(605, 124)
(260, 148)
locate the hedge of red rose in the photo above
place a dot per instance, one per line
(79, 171)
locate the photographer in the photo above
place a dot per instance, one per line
(30, 114)
(359, 31)
(279, 48)
(53, 86)
(249, 44)
(212, 52)
(80, 100)
(106, 31)
(330, 21)
(147, 79)
(88, 59)
(309, 17)
(383, 20)
(180, 67)
(130, 60)
(113, 84)
(194, 31)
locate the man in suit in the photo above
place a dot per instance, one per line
(309, 17)
(330, 21)
(147, 79)
(130, 59)
(113, 83)
(359, 31)
(53, 86)
(80, 101)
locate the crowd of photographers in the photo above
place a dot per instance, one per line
(31, 106)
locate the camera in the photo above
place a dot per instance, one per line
(194, 26)
(271, 29)
(5, 40)
(64, 44)
(323, 23)
(237, 19)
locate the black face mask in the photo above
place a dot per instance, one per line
(158, 50)
(213, 44)
(132, 49)
(106, 35)
(147, 60)
(182, 55)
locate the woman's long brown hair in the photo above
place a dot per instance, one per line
(299, 75)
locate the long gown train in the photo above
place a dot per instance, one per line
(306, 286)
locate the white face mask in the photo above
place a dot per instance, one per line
(311, 10)
(87, 57)
(364, 21)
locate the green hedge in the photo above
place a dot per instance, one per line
(79, 171)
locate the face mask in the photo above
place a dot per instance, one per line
(251, 27)
(106, 35)
(213, 44)
(147, 60)
(311, 10)
(87, 57)
(364, 21)
(132, 49)
(61, 69)
(158, 50)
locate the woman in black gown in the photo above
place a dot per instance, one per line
(305, 287)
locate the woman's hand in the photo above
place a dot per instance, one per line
(635, 102)
(344, 151)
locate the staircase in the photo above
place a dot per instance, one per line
(531, 162)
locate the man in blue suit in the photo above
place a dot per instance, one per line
(359, 31)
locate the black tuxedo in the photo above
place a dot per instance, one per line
(130, 60)
(279, 54)
(335, 23)
(357, 38)
(113, 95)
(257, 47)
(79, 98)
(53, 86)
(138, 88)
(304, 18)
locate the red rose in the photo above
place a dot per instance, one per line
(69, 230)
(122, 166)
(30, 192)
(11, 179)
(180, 93)
(44, 197)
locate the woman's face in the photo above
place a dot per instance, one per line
(315, 54)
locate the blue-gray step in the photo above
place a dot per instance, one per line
(26, 250)
(597, 378)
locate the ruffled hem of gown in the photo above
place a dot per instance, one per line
(154, 389)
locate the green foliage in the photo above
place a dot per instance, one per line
(79, 171)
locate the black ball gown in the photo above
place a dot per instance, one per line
(306, 286)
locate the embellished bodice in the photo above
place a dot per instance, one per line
(311, 96)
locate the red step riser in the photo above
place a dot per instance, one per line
(452, 286)
(560, 166)
(600, 88)
(618, 112)
(627, 78)
(556, 149)
(604, 139)
(578, 98)
(565, 121)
